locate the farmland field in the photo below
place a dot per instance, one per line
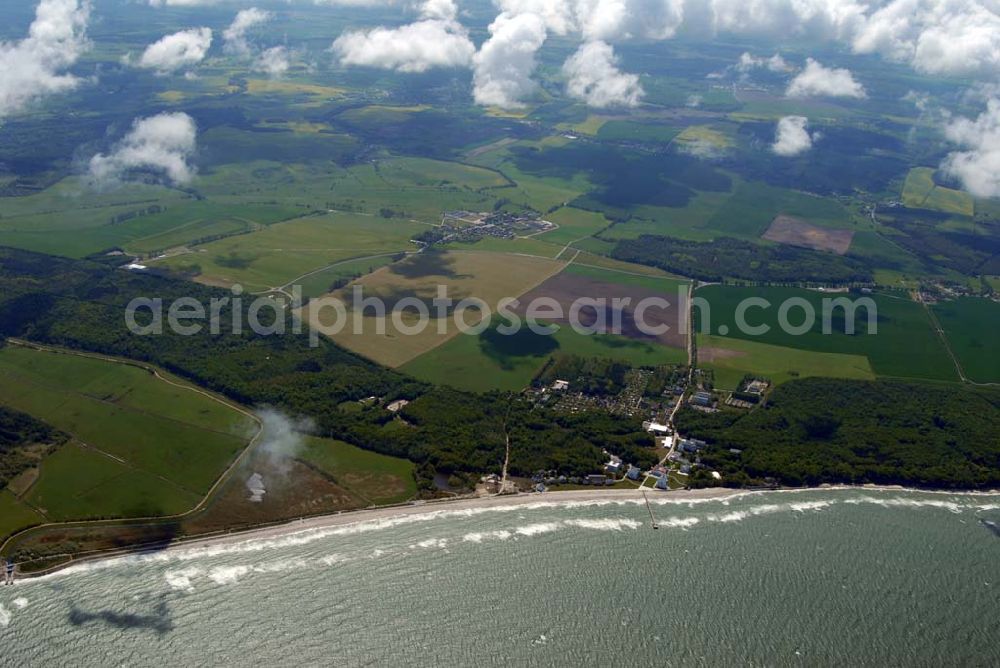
(279, 253)
(732, 359)
(494, 362)
(569, 286)
(754, 206)
(15, 514)
(904, 346)
(486, 276)
(795, 232)
(920, 192)
(491, 361)
(574, 224)
(624, 273)
(971, 325)
(141, 446)
(77, 482)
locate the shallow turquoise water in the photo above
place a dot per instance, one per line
(777, 578)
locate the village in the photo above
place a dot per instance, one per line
(470, 227)
(678, 456)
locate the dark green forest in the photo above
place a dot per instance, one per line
(817, 430)
(726, 258)
(18, 431)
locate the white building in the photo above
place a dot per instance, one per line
(658, 429)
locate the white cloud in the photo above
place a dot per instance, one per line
(235, 36)
(775, 63)
(958, 37)
(274, 61)
(35, 66)
(818, 81)
(176, 51)
(415, 47)
(502, 69)
(163, 143)
(595, 78)
(792, 137)
(181, 3)
(437, 40)
(978, 167)
(610, 20)
(442, 10)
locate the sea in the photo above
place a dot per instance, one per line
(822, 577)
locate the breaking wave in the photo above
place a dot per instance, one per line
(181, 577)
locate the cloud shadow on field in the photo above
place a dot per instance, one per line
(524, 343)
(428, 263)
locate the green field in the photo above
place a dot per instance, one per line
(162, 446)
(920, 192)
(282, 252)
(632, 131)
(536, 246)
(376, 479)
(904, 346)
(319, 283)
(745, 213)
(15, 514)
(971, 325)
(753, 206)
(574, 224)
(77, 482)
(732, 359)
(69, 219)
(493, 362)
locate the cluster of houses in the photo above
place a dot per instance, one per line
(469, 226)
(541, 481)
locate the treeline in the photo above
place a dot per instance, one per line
(80, 304)
(816, 431)
(18, 431)
(129, 215)
(972, 253)
(715, 261)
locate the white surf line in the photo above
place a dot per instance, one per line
(309, 530)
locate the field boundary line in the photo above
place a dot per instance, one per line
(156, 373)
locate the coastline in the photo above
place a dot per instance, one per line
(441, 507)
(448, 507)
(455, 506)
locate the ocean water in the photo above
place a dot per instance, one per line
(778, 578)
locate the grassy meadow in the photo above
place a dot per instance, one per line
(920, 192)
(731, 359)
(904, 346)
(282, 252)
(971, 325)
(140, 446)
(376, 479)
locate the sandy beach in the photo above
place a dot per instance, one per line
(581, 496)
(443, 508)
(456, 506)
